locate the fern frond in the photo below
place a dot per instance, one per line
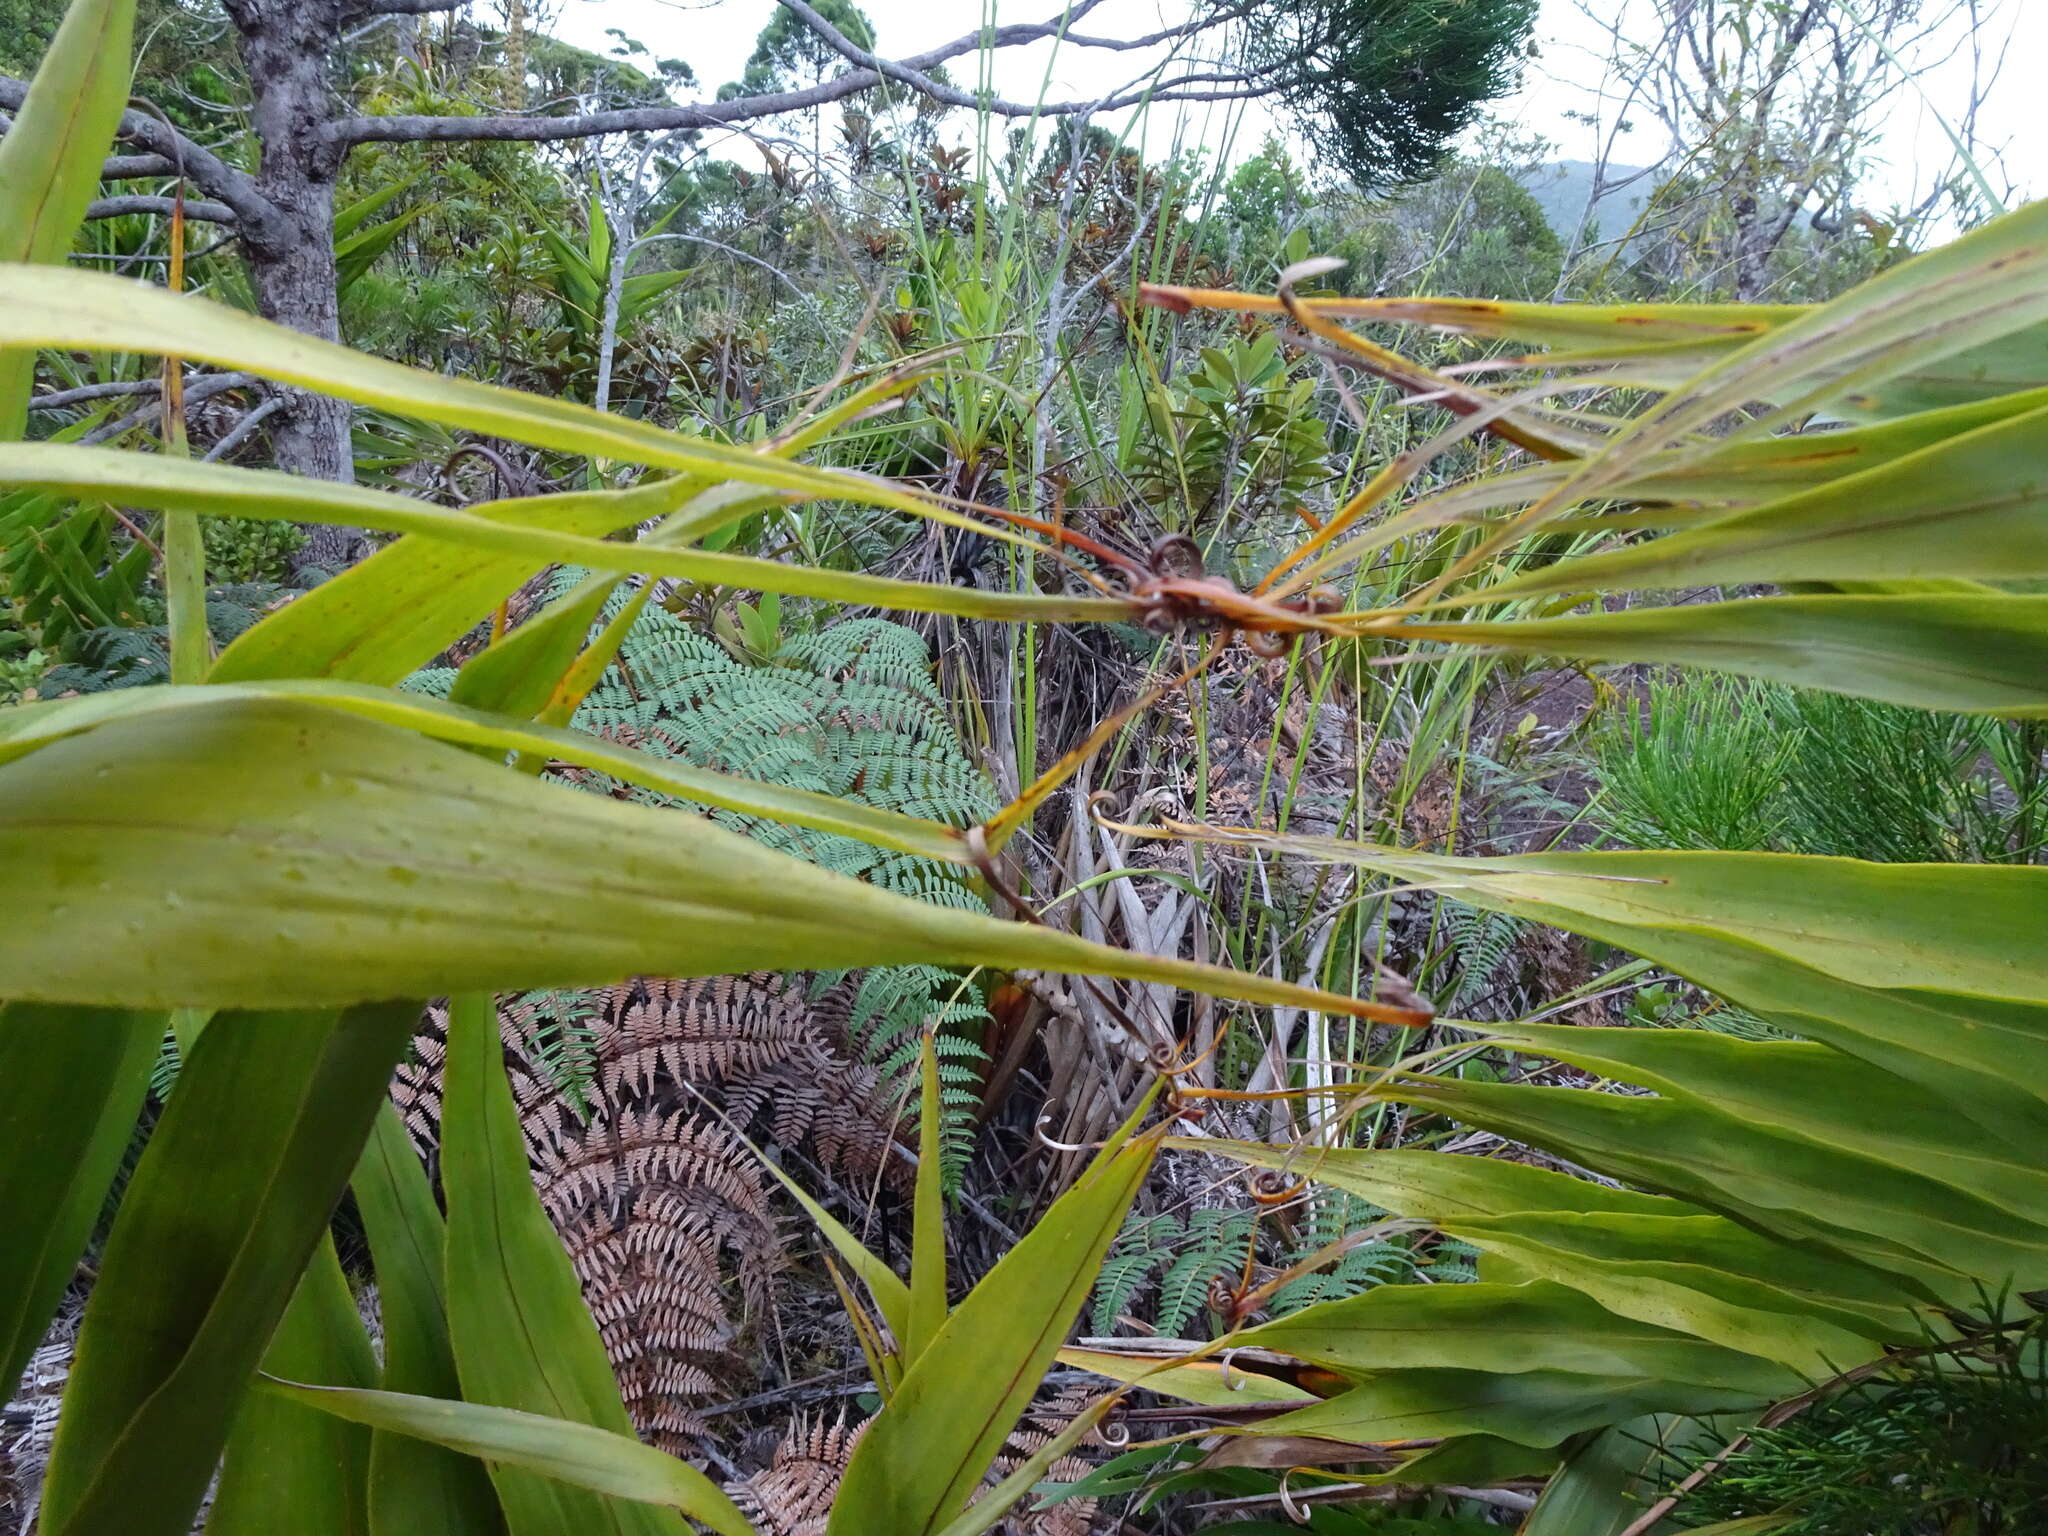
(1214, 1248)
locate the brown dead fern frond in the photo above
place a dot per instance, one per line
(792, 1495)
(657, 1211)
(670, 1221)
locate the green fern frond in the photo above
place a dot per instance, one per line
(1215, 1249)
(850, 711)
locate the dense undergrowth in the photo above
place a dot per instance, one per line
(989, 295)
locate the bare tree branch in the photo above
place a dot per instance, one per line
(203, 389)
(234, 187)
(864, 58)
(86, 393)
(137, 202)
(245, 428)
(870, 71)
(136, 167)
(400, 8)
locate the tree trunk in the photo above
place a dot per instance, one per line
(292, 269)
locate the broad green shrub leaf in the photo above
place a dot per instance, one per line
(926, 1452)
(267, 853)
(226, 1206)
(522, 1337)
(414, 1483)
(568, 1453)
(75, 1081)
(50, 157)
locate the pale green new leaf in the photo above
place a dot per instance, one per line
(926, 1452)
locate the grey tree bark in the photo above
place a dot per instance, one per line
(285, 46)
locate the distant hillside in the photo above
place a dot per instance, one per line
(1563, 188)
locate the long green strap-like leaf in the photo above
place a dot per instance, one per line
(1811, 1092)
(223, 490)
(383, 619)
(286, 1467)
(884, 1286)
(264, 853)
(29, 727)
(50, 157)
(1906, 966)
(56, 308)
(75, 1080)
(1957, 1245)
(1649, 1257)
(1978, 654)
(226, 1206)
(1538, 1408)
(1974, 504)
(1965, 295)
(1536, 1326)
(1605, 1486)
(522, 1336)
(573, 1454)
(414, 1484)
(517, 674)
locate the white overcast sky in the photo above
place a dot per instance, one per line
(715, 37)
